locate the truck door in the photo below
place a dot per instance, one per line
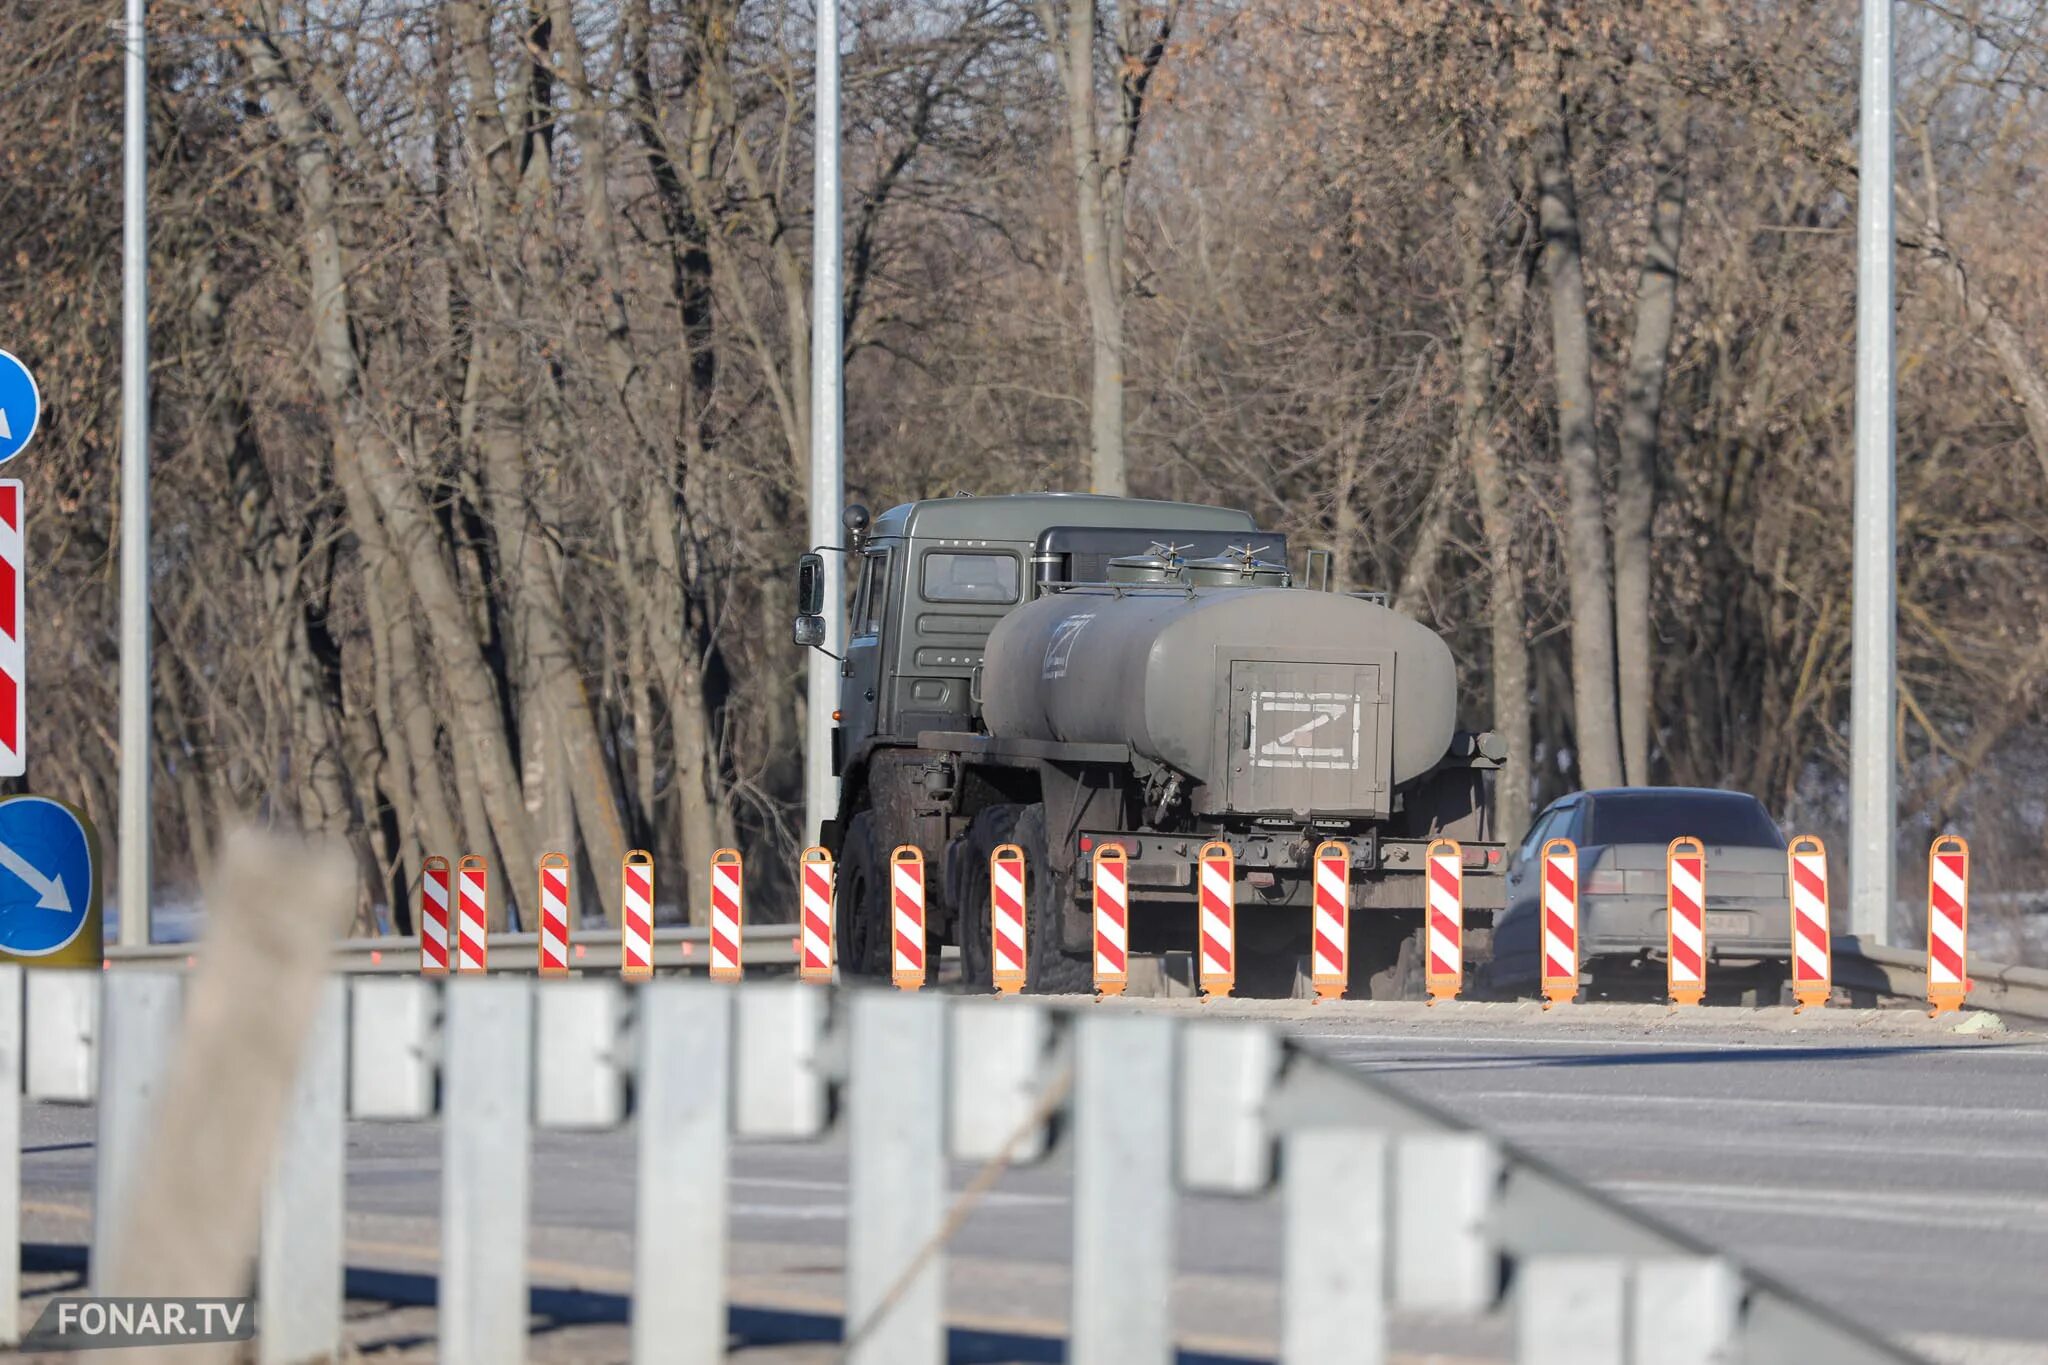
(858, 708)
(1311, 738)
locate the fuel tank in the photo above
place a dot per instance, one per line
(1268, 699)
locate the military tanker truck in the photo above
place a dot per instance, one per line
(1060, 671)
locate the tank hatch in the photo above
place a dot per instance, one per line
(1160, 564)
(1240, 566)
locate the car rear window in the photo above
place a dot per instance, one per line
(1655, 818)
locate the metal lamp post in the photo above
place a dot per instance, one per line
(828, 468)
(1872, 688)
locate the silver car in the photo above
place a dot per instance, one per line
(1623, 834)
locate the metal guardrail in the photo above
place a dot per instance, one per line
(676, 948)
(1859, 967)
(1386, 1203)
(2021, 992)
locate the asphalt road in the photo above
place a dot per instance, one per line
(1880, 1164)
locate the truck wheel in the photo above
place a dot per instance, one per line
(862, 924)
(1402, 977)
(1048, 970)
(991, 828)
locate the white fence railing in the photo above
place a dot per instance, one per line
(1387, 1204)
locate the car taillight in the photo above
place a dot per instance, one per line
(1606, 881)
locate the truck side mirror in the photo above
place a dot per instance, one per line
(809, 631)
(810, 585)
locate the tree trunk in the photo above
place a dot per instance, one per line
(1635, 484)
(1597, 738)
(1491, 318)
(1073, 48)
(1418, 573)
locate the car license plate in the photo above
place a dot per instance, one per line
(1727, 922)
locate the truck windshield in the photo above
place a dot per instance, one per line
(1659, 817)
(950, 576)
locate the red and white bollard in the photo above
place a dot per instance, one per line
(1112, 920)
(1007, 959)
(1329, 962)
(1812, 957)
(1217, 918)
(1948, 923)
(473, 914)
(1560, 916)
(554, 914)
(814, 936)
(728, 914)
(434, 916)
(906, 895)
(13, 624)
(1444, 963)
(1685, 920)
(636, 915)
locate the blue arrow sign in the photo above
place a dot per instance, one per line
(21, 406)
(46, 875)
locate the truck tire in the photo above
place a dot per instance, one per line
(862, 923)
(1402, 978)
(1048, 969)
(985, 833)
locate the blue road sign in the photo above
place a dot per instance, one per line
(46, 876)
(21, 406)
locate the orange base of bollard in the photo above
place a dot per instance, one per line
(1217, 991)
(1559, 995)
(1810, 999)
(1437, 993)
(1945, 1004)
(1687, 997)
(1009, 987)
(1329, 990)
(1109, 988)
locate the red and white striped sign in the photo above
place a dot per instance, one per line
(814, 937)
(434, 916)
(1007, 958)
(1112, 920)
(1685, 916)
(1329, 954)
(1948, 923)
(13, 625)
(636, 915)
(1217, 914)
(1560, 922)
(1444, 963)
(554, 914)
(728, 913)
(906, 894)
(473, 914)
(1812, 965)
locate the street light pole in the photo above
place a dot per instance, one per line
(134, 816)
(828, 469)
(1872, 687)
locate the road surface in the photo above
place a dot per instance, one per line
(1879, 1163)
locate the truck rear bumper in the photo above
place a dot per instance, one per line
(1386, 874)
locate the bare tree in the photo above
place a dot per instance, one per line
(1102, 159)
